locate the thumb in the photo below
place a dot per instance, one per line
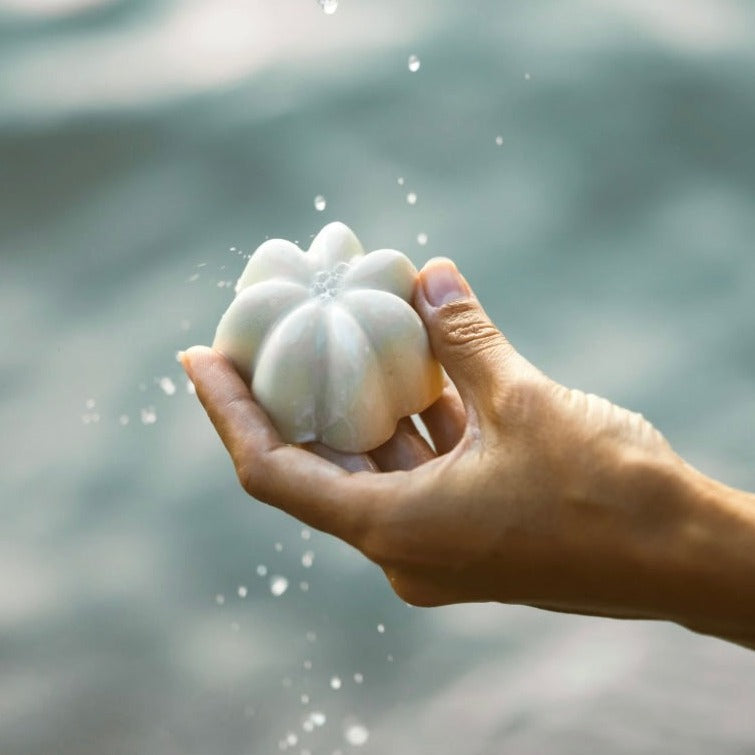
(474, 353)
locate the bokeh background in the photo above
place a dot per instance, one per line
(589, 165)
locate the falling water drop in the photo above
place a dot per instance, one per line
(320, 203)
(499, 140)
(411, 198)
(329, 7)
(356, 734)
(414, 63)
(167, 386)
(278, 585)
(421, 239)
(148, 415)
(335, 683)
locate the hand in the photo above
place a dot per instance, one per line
(533, 493)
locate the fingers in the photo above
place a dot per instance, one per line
(406, 450)
(301, 483)
(474, 353)
(446, 419)
(349, 462)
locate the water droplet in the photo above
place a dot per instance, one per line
(411, 198)
(320, 203)
(279, 547)
(335, 683)
(242, 591)
(414, 63)
(304, 699)
(358, 678)
(307, 725)
(90, 403)
(167, 386)
(307, 665)
(192, 278)
(123, 420)
(329, 7)
(421, 239)
(389, 658)
(220, 598)
(318, 718)
(148, 415)
(191, 389)
(356, 734)
(527, 76)
(400, 180)
(262, 570)
(304, 586)
(291, 739)
(306, 534)
(307, 559)
(381, 628)
(278, 585)
(499, 140)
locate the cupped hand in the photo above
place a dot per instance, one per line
(530, 492)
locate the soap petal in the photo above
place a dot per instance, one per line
(248, 320)
(384, 269)
(276, 258)
(335, 243)
(352, 414)
(413, 378)
(289, 372)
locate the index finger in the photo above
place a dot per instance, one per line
(301, 483)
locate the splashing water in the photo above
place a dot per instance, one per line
(329, 7)
(411, 198)
(414, 63)
(335, 683)
(320, 203)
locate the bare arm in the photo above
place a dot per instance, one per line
(532, 493)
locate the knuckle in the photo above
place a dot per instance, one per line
(467, 329)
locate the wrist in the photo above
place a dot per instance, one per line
(702, 554)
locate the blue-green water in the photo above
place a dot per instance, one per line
(610, 236)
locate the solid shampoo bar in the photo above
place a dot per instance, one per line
(328, 340)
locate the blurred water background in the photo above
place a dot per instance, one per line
(589, 165)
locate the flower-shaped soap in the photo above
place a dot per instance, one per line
(328, 340)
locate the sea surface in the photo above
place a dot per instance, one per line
(589, 165)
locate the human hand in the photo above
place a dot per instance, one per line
(533, 493)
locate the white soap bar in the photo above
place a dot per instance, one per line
(328, 341)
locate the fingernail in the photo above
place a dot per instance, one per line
(442, 282)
